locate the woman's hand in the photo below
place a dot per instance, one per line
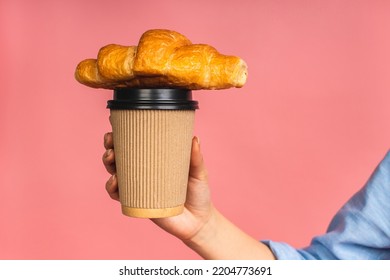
(201, 227)
(198, 207)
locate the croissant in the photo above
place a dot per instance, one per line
(162, 59)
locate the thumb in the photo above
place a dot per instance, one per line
(197, 167)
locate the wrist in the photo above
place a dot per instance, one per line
(218, 238)
(202, 241)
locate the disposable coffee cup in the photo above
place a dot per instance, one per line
(152, 134)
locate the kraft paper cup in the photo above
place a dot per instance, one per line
(152, 133)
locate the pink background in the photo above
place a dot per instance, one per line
(283, 153)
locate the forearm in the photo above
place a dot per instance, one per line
(220, 239)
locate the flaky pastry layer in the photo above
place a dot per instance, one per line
(162, 59)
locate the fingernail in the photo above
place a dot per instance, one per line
(197, 140)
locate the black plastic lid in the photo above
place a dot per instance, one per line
(152, 99)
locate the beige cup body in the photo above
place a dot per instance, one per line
(152, 154)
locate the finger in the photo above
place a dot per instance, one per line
(109, 161)
(112, 187)
(108, 141)
(197, 166)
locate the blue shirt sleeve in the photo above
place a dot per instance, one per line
(359, 230)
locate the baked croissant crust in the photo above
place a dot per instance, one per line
(162, 59)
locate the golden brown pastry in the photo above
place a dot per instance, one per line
(162, 59)
(88, 74)
(155, 50)
(115, 62)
